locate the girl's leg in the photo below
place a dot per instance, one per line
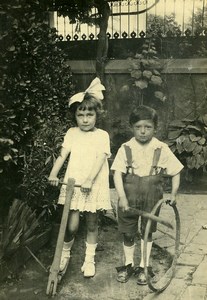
(129, 248)
(73, 223)
(91, 243)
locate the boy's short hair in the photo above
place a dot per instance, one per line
(143, 112)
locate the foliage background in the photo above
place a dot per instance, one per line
(35, 83)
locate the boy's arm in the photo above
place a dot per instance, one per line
(53, 179)
(118, 182)
(175, 187)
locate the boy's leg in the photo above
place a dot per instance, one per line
(128, 225)
(73, 223)
(88, 267)
(129, 248)
(141, 278)
(149, 247)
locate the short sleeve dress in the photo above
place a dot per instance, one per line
(84, 147)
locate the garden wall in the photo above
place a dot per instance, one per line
(186, 93)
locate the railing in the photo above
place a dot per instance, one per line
(140, 18)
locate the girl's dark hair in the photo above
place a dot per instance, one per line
(90, 103)
(143, 112)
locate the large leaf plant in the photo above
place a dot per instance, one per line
(146, 82)
(188, 140)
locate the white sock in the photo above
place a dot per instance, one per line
(90, 252)
(129, 254)
(149, 247)
(68, 245)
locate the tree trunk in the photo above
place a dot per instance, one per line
(102, 49)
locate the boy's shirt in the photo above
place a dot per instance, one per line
(142, 158)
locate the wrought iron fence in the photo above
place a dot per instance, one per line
(141, 18)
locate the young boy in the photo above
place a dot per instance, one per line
(138, 168)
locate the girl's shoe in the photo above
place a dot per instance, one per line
(65, 256)
(88, 269)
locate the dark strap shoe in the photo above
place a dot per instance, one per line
(124, 273)
(141, 278)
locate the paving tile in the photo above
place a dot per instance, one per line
(184, 272)
(200, 275)
(190, 259)
(194, 293)
(172, 292)
(196, 249)
(201, 238)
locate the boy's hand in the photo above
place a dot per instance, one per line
(53, 180)
(123, 204)
(172, 200)
(86, 186)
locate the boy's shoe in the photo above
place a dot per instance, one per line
(88, 269)
(141, 278)
(124, 273)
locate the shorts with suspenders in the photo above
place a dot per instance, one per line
(142, 193)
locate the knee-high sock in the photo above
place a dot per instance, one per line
(149, 247)
(68, 245)
(129, 254)
(90, 252)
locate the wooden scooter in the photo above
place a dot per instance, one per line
(55, 275)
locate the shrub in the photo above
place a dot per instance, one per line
(35, 84)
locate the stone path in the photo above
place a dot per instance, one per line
(190, 282)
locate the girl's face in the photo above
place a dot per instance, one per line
(143, 131)
(86, 119)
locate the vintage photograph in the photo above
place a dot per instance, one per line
(103, 149)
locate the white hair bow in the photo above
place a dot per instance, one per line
(95, 89)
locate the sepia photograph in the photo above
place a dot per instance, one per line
(103, 125)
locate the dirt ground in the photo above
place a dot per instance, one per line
(31, 282)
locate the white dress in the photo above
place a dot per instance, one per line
(84, 147)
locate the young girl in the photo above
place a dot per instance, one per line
(139, 165)
(89, 148)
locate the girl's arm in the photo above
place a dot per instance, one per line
(175, 187)
(53, 179)
(86, 186)
(118, 182)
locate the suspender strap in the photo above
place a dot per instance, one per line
(128, 152)
(156, 158)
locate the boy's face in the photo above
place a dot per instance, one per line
(86, 119)
(143, 131)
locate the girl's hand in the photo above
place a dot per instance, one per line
(86, 186)
(123, 204)
(53, 180)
